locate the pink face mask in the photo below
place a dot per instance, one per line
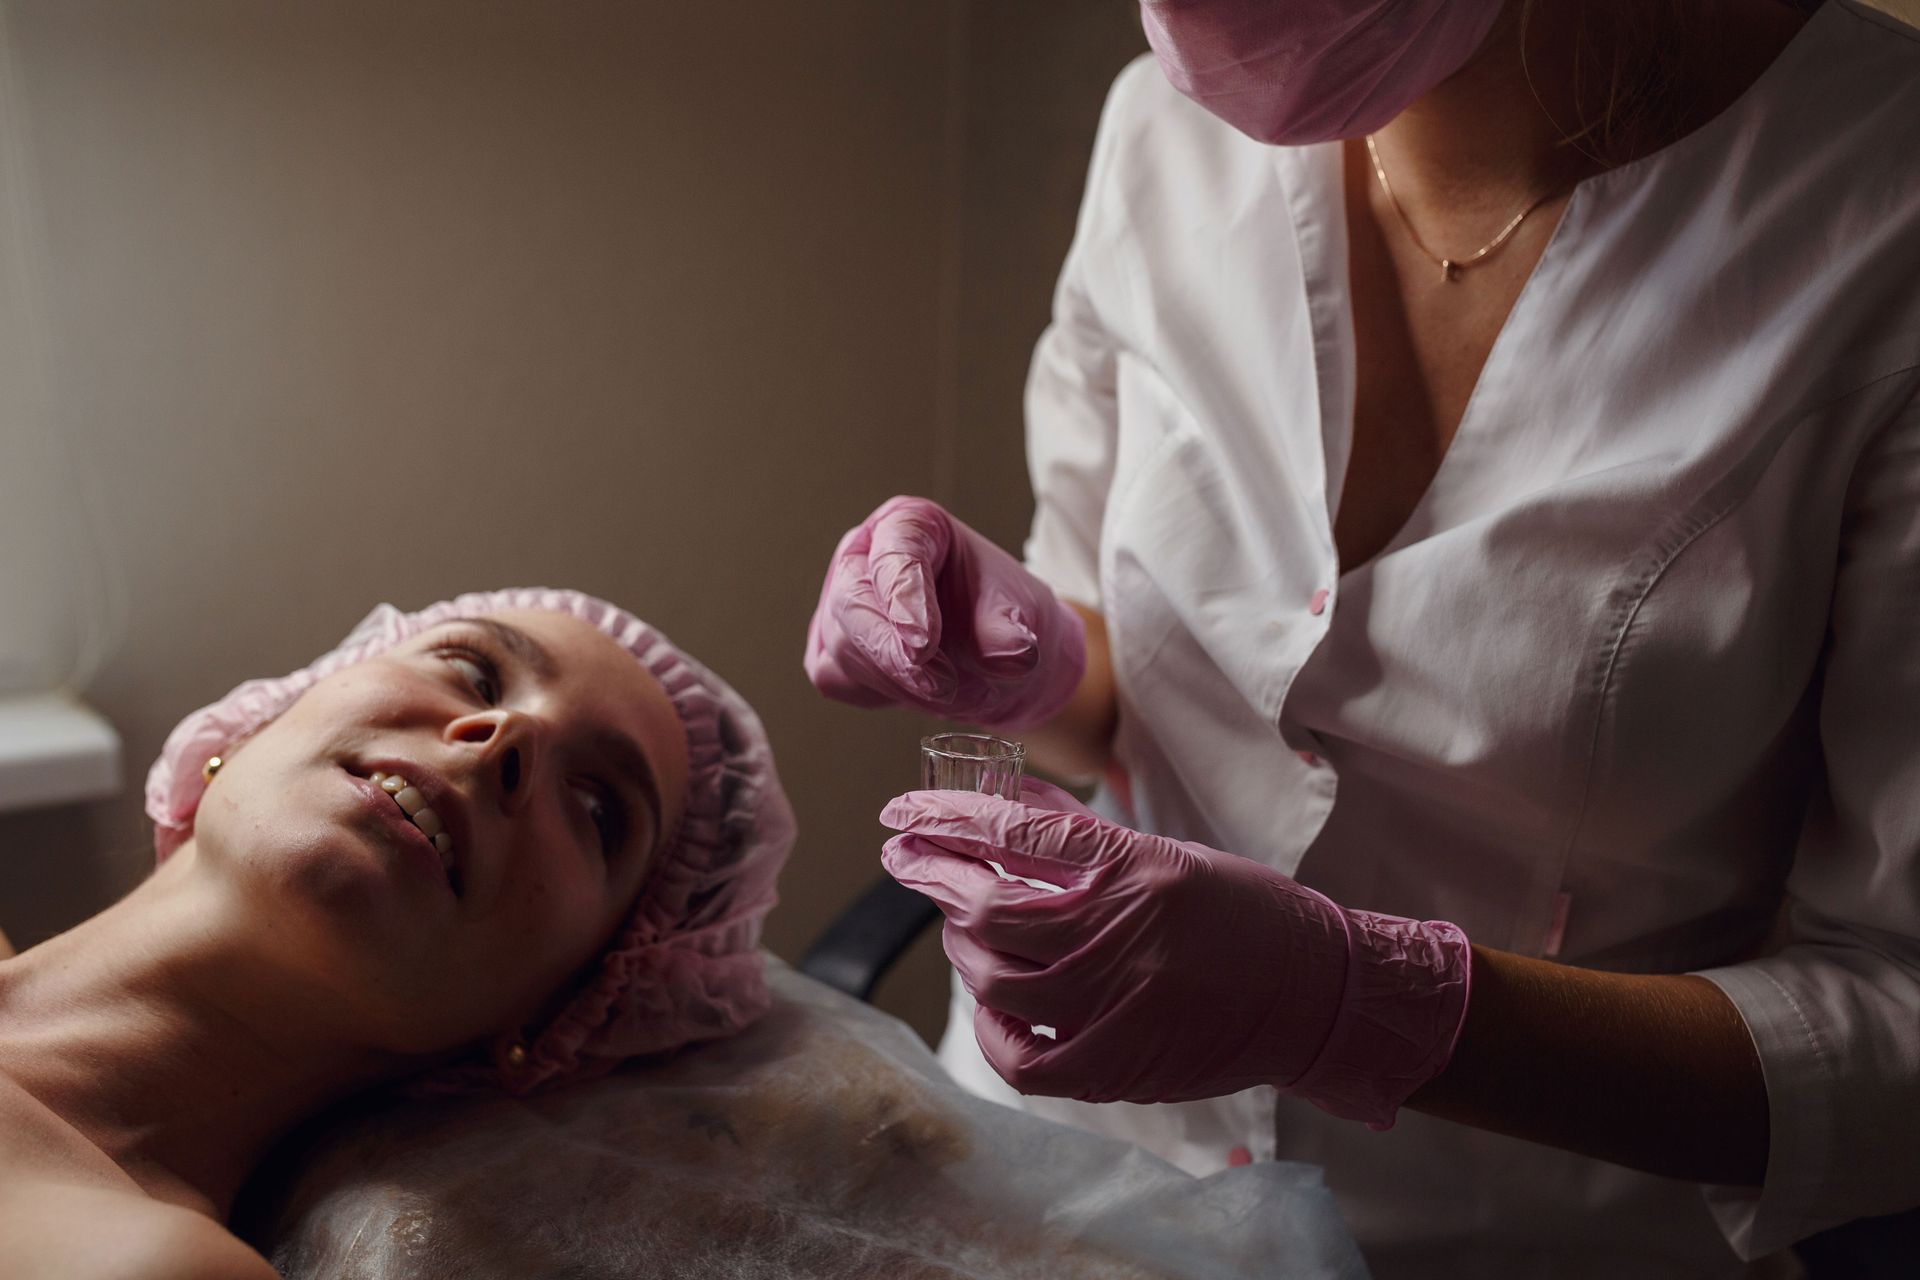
(1299, 71)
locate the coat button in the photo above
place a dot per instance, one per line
(1239, 1156)
(1318, 605)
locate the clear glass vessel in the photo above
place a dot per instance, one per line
(972, 762)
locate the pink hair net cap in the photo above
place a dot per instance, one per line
(686, 965)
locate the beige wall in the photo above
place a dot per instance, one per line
(1036, 76)
(1035, 73)
(358, 300)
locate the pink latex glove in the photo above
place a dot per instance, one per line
(1169, 970)
(920, 611)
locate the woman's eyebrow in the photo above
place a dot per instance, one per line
(522, 646)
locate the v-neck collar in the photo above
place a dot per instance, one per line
(1313, 181)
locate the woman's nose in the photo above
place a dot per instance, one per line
(508, 744)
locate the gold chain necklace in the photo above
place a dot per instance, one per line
(1450, 268)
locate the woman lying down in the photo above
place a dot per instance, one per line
(501, 843)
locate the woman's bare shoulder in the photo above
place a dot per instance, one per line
(67, 1210)
(100, 1233)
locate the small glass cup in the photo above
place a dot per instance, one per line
(972, 762)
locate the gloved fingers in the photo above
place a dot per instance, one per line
(1047, 844)
(1027, 1061)
(962, 888)
(854, 542)
(1008, 864)
(1089, 1066)
(1059, 876)
(875, 651)
(907, 548)
(1039, 794)
(828, 676)
(926, 507)
(1029, 917)
(1003, 605)
(1008, 916)
(1008, 983)
(1005, 645)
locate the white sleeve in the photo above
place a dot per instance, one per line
(1835, 1014)
(1071, 400)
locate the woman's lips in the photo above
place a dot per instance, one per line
(437, 807)
(414, 843)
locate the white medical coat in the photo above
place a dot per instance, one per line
(1643, 663)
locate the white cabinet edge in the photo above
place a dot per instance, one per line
(54, 749)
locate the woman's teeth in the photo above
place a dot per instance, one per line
(415, 806)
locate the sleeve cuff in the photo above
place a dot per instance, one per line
(1797, 1066)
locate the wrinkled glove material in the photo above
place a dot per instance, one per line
(920, 611)
(1170, 971)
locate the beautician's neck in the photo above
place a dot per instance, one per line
(1493, 136)
(132, 1029)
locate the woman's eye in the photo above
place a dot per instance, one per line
(477, 674)
(603, 813)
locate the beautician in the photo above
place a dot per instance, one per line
(1477, 463)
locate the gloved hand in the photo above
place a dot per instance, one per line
(920, 611)
(1169, 970)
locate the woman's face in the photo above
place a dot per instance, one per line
(552, 760)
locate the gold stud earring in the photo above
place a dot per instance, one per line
(211, 767)
(517, 1056)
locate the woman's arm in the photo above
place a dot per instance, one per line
(1654, 1072)
(1075, 744)
(1663, 1073)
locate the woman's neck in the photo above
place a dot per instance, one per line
(1563, 89)
(151, 1033)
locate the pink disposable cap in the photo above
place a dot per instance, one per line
(686, 966)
